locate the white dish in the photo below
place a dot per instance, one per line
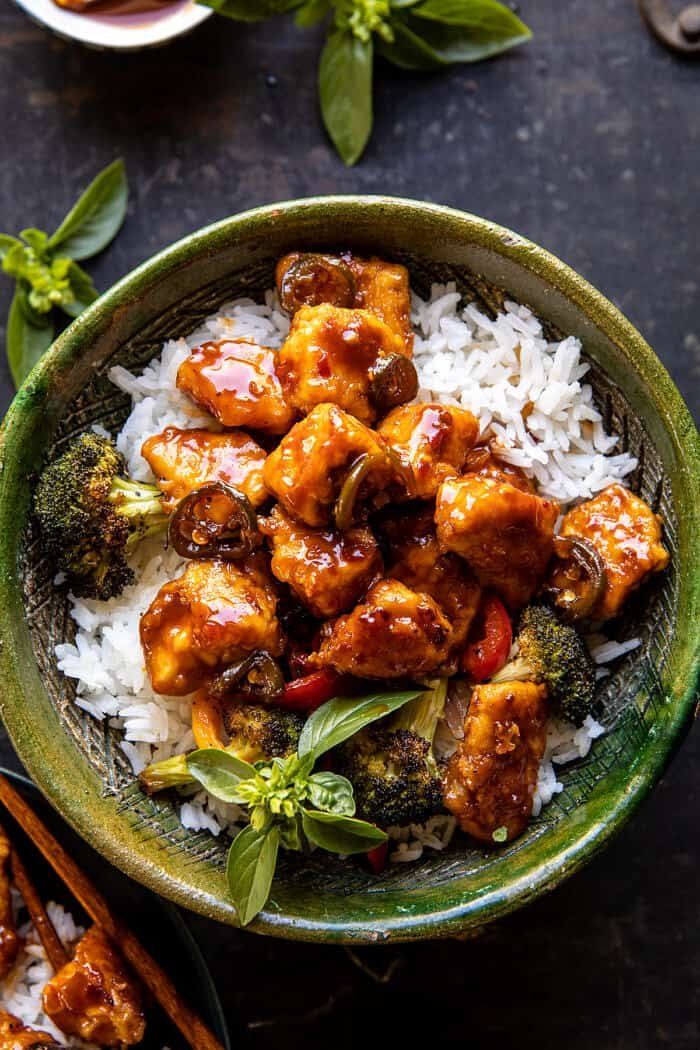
(118, 33)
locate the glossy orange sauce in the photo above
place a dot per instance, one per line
(114, 7)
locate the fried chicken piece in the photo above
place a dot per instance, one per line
(329, 571)
(205, 619)
(505, 534)
(484, 462)
(394, 633)
(9, 938)
(627, 535)
(416, 559)
(235, 380)
(307, 469)
(310, 278)
(14, 1035)
(434, 440)
(491, 778)
(330, 354)
(94, 997)
(184, 460)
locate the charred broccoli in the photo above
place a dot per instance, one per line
(391, 765)
(91, 517)
(552, 652)
(258, 733)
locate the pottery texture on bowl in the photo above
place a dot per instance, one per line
(646, 702)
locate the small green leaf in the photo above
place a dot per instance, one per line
(500, 834)
(36, 239)
(83, 290)
(408, 51)
(311, 12)
(96, 216)
(250, 869)
(345, 92)
(340, 834)
(219, 772)
(25, 341)
(332, 793)
(343, 716)
(7, 242)
(466, 30)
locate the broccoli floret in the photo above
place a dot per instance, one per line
(91, 517)
(258, 733)
(391, 765)
(553, 652)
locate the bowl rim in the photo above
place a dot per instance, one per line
(629, 785)
(109, 36)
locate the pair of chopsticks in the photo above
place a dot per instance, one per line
(86, 893)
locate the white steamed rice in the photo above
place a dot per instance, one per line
(527, 393)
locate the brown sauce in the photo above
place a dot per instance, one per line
(114, 7)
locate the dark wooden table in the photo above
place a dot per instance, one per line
(588, 141)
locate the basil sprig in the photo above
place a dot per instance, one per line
(418, 35)
(289, 805)
(47, 275)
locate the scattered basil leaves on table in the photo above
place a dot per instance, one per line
(46, 272)
(416, 35)
(289, 805)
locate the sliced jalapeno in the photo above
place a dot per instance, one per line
(257, 677)
(314, 279)
(578, 577)
(394, 382)
(214, 521)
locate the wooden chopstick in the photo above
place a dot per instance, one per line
(153, 976)
(55, 952)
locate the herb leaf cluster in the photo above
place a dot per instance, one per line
(46, 271)
(289, 805)
(416, 35)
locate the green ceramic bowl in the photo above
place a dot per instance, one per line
(649, 699)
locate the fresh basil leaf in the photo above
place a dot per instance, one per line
(7, 242)
(343, 716)
(36, 239)
(25, 341)
(332, 793)
(96, 216)
(219, 772)
(408, 51)
(340, 834)
(250, 869)
(82, 288)
(403, 3)
(466, 30)
(311, 12)
(345, 92)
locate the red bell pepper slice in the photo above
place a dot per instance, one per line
(377, 857)
(307, 693)
(490, 639)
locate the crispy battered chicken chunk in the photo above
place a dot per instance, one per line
(505, 534)
(309, 279)
(184, 460)
(434, 440)
(490, 780)
(307, 469)
(329, 571)
(416, 559)
(16, 1036)
(94, 997)
(235, 380)
(9, 939)
(394, 633)
(627, 535)
(484, 462)
(207, 618)
(330, 355)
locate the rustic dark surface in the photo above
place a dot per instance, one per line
(588, 141)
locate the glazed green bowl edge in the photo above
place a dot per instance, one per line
(67, 779)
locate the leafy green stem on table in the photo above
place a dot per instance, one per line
(46, 271)
(416, 35)
(289, 805)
